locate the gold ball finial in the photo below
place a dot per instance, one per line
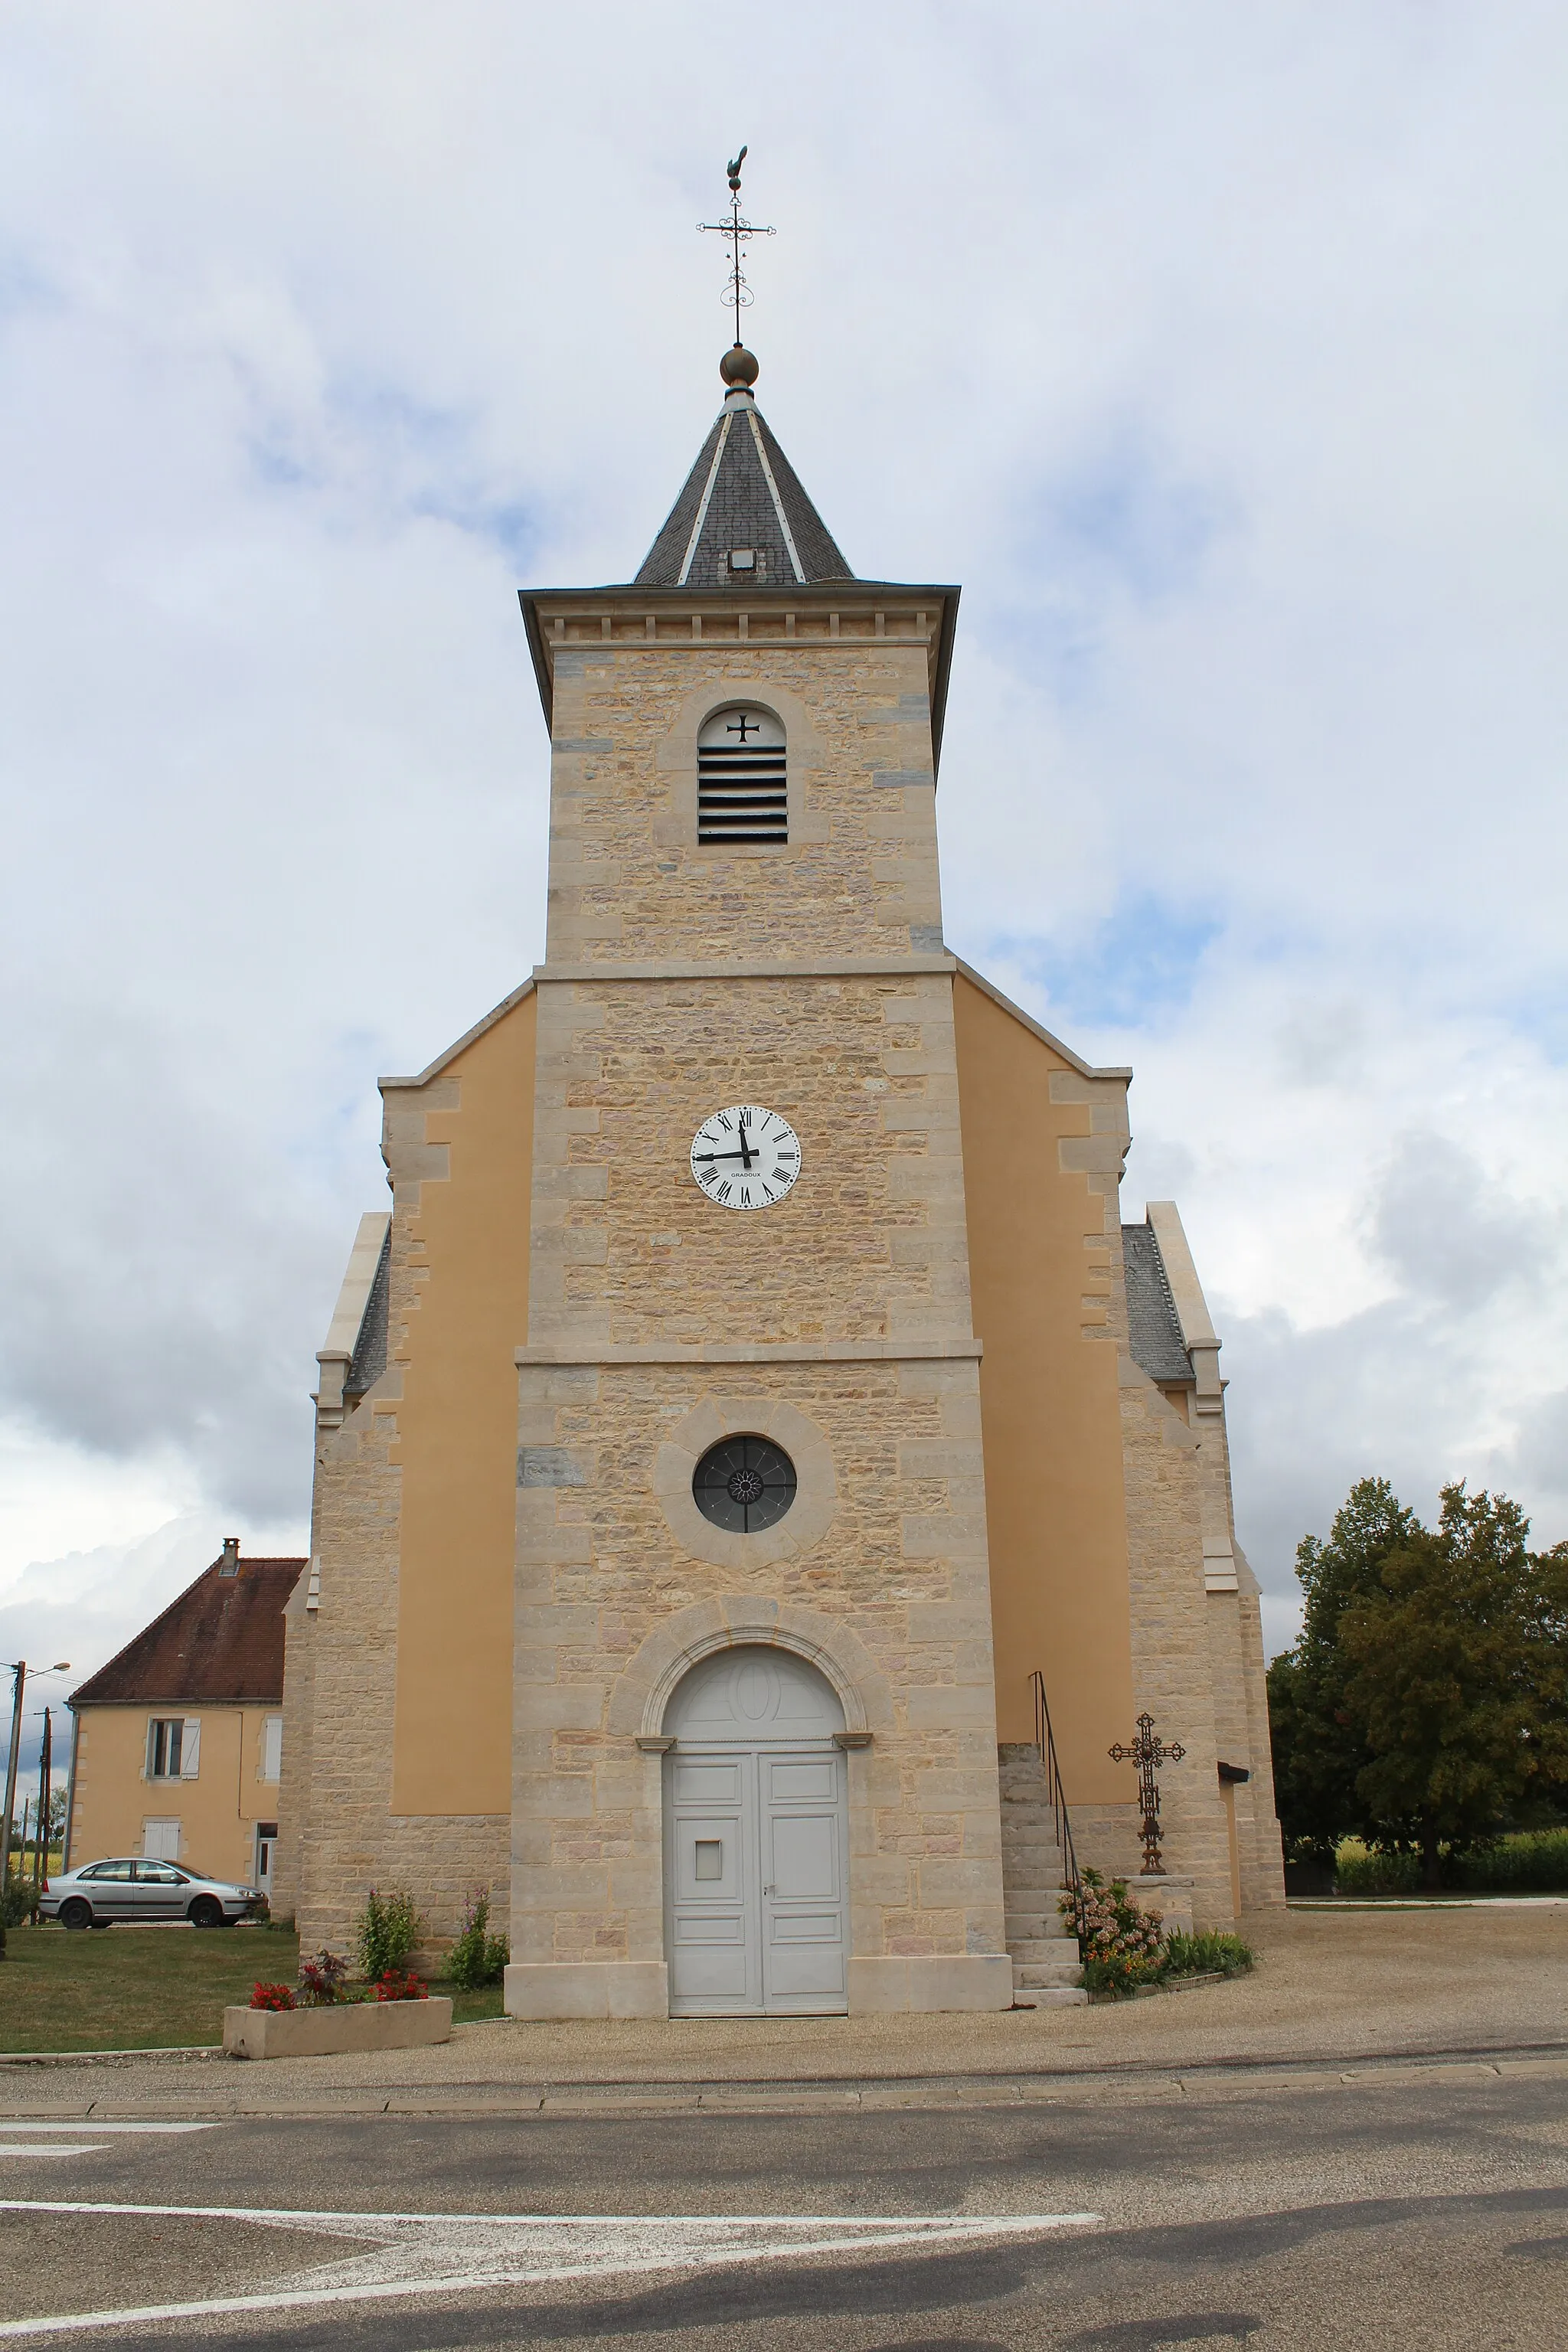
(739, 367)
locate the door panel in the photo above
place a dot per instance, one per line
(788, 1781)
(110, 1890)
(711, 1908)
(804, 1914)
(160, 1891)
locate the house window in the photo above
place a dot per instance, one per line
(742, 790)
(161, 1840)
(173, 1747)
(272, 1747)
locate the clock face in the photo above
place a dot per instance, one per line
(746, 1157)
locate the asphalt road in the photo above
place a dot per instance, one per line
(1423, 2212)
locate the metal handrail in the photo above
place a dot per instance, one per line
(1045, 1746)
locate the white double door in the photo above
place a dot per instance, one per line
(756, 1904)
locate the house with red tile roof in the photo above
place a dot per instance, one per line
(177, 1746)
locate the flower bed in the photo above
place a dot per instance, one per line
(337, 2027)
(1127, 1952)
(329, 2014)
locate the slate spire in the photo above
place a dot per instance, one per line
(742, 498)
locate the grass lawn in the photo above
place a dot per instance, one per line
(148, 1988)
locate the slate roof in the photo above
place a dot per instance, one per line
(369, 1359)
(1155, 1327)
(221, 1642)
(729, 501)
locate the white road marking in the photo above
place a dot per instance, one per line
(67, 2139)
(432, 2253)
(84, 2124)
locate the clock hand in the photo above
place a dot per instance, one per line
(747, 1156)
(722, 1155)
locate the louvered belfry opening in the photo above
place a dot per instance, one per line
(742, 790)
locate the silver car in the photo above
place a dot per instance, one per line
(132, 1888)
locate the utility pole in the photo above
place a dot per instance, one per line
(41, 1864)
(18, 1672)
(18, 1683)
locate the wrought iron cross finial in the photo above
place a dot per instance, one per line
(1147, 1751)
(736, 233)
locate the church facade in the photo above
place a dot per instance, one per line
(753, 1396)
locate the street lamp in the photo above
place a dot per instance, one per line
(18, 1669)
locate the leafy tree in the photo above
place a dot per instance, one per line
(1457, 1676)
(1319, 1748)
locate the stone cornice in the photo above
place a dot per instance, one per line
(785, 1351)
(829, 616)
(774, 968)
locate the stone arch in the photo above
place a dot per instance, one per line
(677, 749)
(644, 1690)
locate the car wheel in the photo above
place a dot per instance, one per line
(75, 1913)
(103, 1923)
(205, 1912)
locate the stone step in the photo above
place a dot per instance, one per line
(1044, 1948)
(1034, 1974)
(1049, 1997)
(1041, 1926)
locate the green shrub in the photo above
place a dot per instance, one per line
(476, 1957)
(386, 1933)
(1208, 1953)
(1532, 1861)
(1362, 1870)
(16, 1901)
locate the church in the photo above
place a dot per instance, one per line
(759, 1478)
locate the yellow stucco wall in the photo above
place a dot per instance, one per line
(458, 1433)
(1055, 1514)
(217, 1812)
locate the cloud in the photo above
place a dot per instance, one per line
(1218, 356)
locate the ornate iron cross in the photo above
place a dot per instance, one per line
(1147, 1751)
(736, 231)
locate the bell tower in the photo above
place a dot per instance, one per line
(748, 1250)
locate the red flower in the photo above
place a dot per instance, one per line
(271, 1996)
(396, 1985)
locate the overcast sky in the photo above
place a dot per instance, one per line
(1220, 351)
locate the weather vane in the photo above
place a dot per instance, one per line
(736, 231)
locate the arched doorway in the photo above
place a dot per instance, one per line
(755, 1840)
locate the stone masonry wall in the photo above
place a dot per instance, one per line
(628, 879)
(893, 1589)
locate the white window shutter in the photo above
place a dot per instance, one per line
(191, 1748)
(272, 1748)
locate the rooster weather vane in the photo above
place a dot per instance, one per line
(736, 231)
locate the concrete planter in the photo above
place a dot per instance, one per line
(328, 2033)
